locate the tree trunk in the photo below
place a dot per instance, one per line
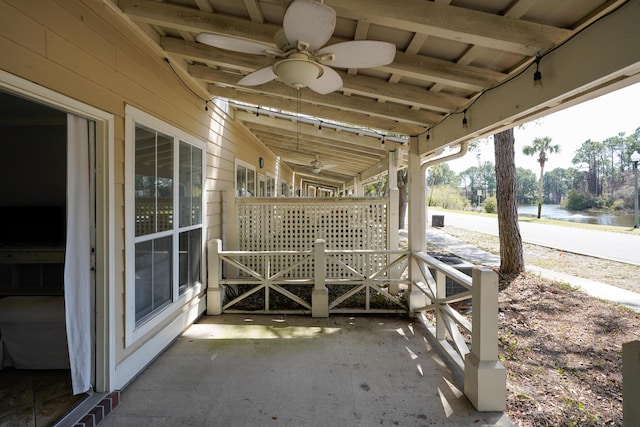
(403, 196)
(511, 257)
(540, 187)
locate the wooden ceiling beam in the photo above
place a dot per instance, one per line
(196, 21)
(455, 23)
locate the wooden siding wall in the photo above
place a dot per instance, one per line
(85, 50)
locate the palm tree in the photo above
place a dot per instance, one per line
(541, 146)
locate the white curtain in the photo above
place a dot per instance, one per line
(77, 268)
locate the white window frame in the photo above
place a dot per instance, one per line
(133, 333)
(262, 186)
(271, 178)
(247, 166)
(285, 189)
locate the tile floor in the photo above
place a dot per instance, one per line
(36, 398)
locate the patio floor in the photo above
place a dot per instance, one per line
(272, 370)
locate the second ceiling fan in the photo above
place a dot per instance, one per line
(302, 60)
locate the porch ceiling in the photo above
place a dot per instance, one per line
(449, 54)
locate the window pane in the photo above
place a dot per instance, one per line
(251, 183)
(190, 258)
(153, 276)
(164, 182)
(190, 185)
(145, 181)
(271, 186)
(196, 185)
(241, 181)
(186, 196)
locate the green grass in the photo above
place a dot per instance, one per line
(529, 219)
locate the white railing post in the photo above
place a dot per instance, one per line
(485, 380)
(215, 293)
(320, 295)
(441, 293)
(631, 383)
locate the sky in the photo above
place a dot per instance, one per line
(597, 119)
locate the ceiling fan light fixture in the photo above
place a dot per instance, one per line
(316, 170)
(297, 71)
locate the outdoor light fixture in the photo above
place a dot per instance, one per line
(635, 158)
(261, 162)
(465, 122)
(537, 76)
(297, 70)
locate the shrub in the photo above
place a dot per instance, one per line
(491, 205)
(446, 197)
(577, 201)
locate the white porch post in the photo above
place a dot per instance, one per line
(485, 379)
(320, 295)
(417, 226)
(357, 187)
(215, 294)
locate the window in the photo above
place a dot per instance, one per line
(262, 185)
(164, 209)
(271, 186)
(245, 180)
(284, 189)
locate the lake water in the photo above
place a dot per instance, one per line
(557, 213)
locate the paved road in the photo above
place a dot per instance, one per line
(601, 244)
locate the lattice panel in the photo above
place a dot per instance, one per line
(295, 224)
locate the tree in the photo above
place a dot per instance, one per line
(527, 187)
(557, 184)
(593, 154)
(541, 146)
(511, 257)
(403, 194)
(442, 174)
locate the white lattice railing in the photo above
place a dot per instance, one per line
(293, 224)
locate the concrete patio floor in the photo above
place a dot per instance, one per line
(272, 370)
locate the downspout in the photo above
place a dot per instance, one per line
(463, 150)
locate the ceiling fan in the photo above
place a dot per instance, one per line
(302, 60)
(317, 166)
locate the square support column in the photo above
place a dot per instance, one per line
(215, 294)
(631, 383)
(417, 226)
(320, 294)
(485, 378)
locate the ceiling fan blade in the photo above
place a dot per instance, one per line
(258, 77)
(310, 22)
(359, 54)
(234, 44)
(328, 82)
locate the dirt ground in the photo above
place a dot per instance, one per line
(562, 348)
